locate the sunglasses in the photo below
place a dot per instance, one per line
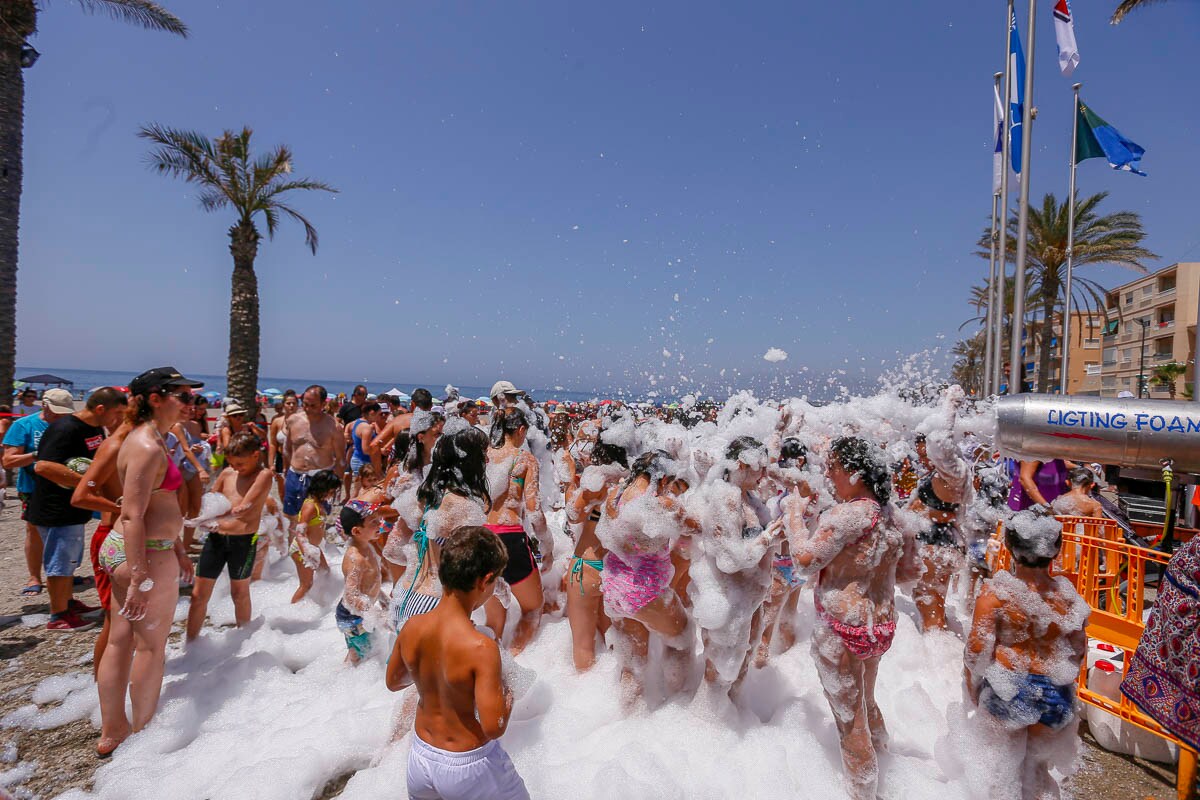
(183, 397)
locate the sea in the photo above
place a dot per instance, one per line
(85, 380)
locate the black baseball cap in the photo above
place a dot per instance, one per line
(160, 378)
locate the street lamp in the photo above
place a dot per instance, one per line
(1142, 363)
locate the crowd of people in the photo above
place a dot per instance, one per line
(460, 526)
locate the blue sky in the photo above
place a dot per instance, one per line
(563, 193)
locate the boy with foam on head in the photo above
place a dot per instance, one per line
(358, 612)
(1024, 652)
(465, 704)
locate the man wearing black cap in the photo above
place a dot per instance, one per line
(64, 453)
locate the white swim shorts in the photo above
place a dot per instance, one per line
(485, 773)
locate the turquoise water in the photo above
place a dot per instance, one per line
(86, 380)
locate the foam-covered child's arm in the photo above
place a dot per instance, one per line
(353, 597)
(493, 702)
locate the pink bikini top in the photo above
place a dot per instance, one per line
(172, 480)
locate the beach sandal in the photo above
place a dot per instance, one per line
(32, 589)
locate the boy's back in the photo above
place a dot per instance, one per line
(455, 667)
(464, 705)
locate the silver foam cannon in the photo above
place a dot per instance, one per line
(1122, 432)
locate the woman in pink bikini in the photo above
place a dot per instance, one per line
(854, 552)
(144, 557)
(642, 521)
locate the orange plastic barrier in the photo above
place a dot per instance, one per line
(1111, 576)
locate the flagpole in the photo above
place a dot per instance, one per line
(1002, 253)
(1066, 346)
(1018, 315)
(991, 338)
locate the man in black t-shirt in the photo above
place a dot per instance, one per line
(64, 454)
(352, 409)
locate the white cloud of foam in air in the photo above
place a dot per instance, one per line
(775, 354)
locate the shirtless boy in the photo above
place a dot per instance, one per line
(464, 705)
(363, 523)
(1026, 644)
(311, 444)
(246, 484)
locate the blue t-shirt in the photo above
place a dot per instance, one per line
(26, 433)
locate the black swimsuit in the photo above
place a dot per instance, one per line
(939, 534)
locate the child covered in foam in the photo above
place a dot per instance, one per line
(1024, 651)
(731, 570)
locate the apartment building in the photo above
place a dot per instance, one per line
(1085, 363)
(1151, 321)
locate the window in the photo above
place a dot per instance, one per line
(1129, 298)
(1166, 283)
(1111, 327)
(1110, 355)
(1125, 381)
(1147, 290)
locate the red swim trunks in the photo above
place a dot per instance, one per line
(103, 580)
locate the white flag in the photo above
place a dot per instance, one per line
(1064, 32)
(998, 155)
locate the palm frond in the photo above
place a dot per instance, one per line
(1126, 6)
(145, 13)
(303, 183)
(182, 154)
(310, 233)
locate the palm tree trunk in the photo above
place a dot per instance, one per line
(242, 376)
(1048, 304)
(16, 21)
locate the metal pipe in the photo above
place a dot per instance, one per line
(990, 338)
(1126, 432)
(1066, 346)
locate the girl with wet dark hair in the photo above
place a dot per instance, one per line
(453, 494)
(854, 554)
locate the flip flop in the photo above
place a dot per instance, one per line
(31, 590)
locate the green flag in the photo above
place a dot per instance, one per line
(1086, 144)
(1095, 138)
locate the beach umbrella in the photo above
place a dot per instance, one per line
(403, 395)
(213, 395)
(271, 392)
(487, 401)
(606, 402)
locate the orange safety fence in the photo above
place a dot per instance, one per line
(1111, 575)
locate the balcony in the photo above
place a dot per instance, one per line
(1160, 357)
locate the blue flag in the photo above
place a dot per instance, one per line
(1016, 93)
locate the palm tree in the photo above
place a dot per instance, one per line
(18, 22)
(1111, 239)
(967, 371)
(228, 176)
(1167, 374)
(1126, 6)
